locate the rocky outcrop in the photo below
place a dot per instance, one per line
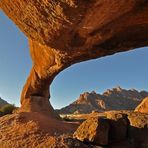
(118, 126)
(143, 106)
(65, 32)
(117, 129)
(94, 130)
(112, 99)
(138, 130)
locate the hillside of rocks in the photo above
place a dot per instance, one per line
(112, 99)
(2, 102)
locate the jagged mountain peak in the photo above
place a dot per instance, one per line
(116, 98)
(115, 90)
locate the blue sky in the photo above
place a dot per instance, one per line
(128, 70)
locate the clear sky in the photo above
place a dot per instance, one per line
(128, 70)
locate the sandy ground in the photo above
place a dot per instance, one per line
(29, 130)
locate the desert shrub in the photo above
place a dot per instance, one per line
(7, 109)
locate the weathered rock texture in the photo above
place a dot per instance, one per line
(125, 130)
(93, 130)
(138, 130)
(118, 127)
(143, 106)
(64, 32)
(35, 130)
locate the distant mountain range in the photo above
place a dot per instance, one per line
(3, 102)
(112, 99)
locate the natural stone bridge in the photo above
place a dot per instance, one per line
(65, 32)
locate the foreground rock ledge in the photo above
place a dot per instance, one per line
(36, 130)
(112, 129)
(115, 129)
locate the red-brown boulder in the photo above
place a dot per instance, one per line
(94, 130)
(118, 126)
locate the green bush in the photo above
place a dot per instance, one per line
(7, 109)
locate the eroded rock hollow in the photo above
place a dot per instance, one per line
(65, 32)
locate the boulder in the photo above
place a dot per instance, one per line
(94, 130)
(138, 129)
(118, 126)
(143, 106)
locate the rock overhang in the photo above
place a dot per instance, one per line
(65, 32)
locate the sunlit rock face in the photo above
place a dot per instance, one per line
(143, 106)
(65, 32)
(115, 129)
(112, 99)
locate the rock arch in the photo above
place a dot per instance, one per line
(65, 32)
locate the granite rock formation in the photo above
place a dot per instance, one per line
(119, 130)
(93, 130)
(112, 99)
(65, 32)
(143, 106)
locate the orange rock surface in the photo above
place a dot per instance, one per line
(65, 32)
(62, 33)
(143, 106)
